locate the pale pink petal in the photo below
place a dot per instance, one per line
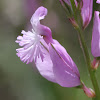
(39, 14)
(45, 67)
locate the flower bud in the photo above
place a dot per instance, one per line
(95, 64)
(95, 43)
(86, 12)
(88, 91)
(85, 8)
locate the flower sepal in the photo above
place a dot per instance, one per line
(88, 91)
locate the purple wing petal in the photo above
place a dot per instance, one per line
(64, 74)
(63, 53)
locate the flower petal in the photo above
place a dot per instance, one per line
(86, 12)
(63, 53)
(39, 14)
(45, 67)
(64, 73)
(45, 31)
(95, 44)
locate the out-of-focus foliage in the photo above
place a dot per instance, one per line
(19, 81)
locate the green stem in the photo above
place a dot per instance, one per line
(88, 61)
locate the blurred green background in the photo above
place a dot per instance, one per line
(19, 81)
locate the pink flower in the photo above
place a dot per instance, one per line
(98, 1)
(95, 44)
(51, 59)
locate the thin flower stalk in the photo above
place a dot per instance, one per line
(88, 62)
